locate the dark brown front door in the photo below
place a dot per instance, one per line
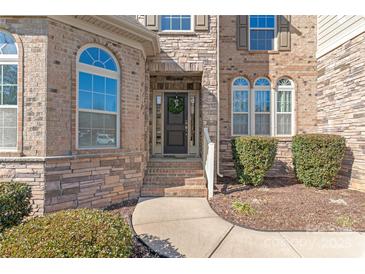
(176, 126)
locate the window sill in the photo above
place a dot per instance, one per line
(264, 51)
(177, 33)
(10, 153)
(98, 150)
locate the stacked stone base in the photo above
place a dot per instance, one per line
(92, 181)
(27, 170)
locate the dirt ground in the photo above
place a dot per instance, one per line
(289, 206)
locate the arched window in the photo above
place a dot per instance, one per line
(8, 91)
(240, 106)
(262, 108)
(284, 107)
(98, 99)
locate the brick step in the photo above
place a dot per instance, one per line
(179, 191)
(174, 180)
(227, 164)
(175, 172)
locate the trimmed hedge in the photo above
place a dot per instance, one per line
(317, 158)
(77, 233)
(14, 203)
(253, 156)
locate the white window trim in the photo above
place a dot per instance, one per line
(11, 59)
(273, 108)
(253, 112)
(240, 88)
(80, 67)
(275, 35)
(293, 107)
(192, 26)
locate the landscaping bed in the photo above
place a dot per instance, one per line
(126, 209)
(290, 206)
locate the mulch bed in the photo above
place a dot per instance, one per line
(126, 209)
(290, 206)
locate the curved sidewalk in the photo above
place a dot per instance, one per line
(188, 227)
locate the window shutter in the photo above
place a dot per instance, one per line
(284, 32)
(201, 22)
(151, 22)
(242, 32)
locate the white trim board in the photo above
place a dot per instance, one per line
(99, 31)
(333, 31)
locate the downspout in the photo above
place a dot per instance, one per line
(218, 102)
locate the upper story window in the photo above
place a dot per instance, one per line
(262, 32)
(175, 23)
(98, 99)
(8, 92)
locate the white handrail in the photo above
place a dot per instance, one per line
(208, 162)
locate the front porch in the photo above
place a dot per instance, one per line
(175, 118)
(177, 153)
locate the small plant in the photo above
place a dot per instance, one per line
(253, 157)
(345, 221)
(80, 233)
(317, 158)
(243, 208)
(14, 203)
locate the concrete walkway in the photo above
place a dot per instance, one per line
(188, 227)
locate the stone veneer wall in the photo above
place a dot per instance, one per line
(30, 171)
(299, 64)
(92, 181)
(191, 54)
(341, 104)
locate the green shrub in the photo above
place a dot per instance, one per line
(243, 208)
(14, 203)
(345, 221)
(253, 156)
(67, 234)
(317, 158)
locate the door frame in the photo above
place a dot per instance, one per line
(158, 149)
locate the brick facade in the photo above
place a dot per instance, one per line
(31, 37)
(299, 64)
(61, 176)
(341, 104)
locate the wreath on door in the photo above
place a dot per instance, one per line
(176, 105)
